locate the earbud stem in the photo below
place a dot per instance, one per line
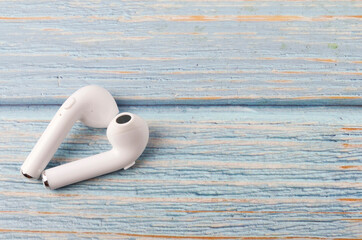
(84, 169)
(49, 142)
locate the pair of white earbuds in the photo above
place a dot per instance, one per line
(95, 107)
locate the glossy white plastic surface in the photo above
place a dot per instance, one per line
(92, 105)
(128, 134)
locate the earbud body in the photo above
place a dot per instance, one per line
(128, 134)
(92, 105)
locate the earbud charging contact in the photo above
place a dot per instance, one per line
(45, 180)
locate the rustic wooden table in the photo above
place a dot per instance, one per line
(254, 110)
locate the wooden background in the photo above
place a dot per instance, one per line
(254, 110)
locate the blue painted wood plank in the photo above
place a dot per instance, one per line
(274, 172)
(225, 171)
(183, 52)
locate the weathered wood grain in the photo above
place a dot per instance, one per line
(268, 52)
(209, 172)
(271, 172)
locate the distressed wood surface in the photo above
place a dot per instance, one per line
(213, 169)
(268, 52)
(271, 172)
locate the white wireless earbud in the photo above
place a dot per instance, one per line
(128, 134)
(92, 105)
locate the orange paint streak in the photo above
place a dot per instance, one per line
(359, 62)
(350, 199)
(28, 18)
(342, 97)
(326, 97)
(322, 60)
(267, 58)
(66, 195)
(177, 33)
(48, 213)
(273, 71)
(280, 81)
(352, 129)
(262, 212)
(350, 145)
(26, 212)
(198, 18)
(249, 18)
(351, 167)
(295, 98)
(51, 29)
(235, 33)
(326, 73)
(240, 18)
(341, 17)
(200, 98)
(352, 219)
(43, 18)
(346, 238)
(287, 89)
(275, 18)
(256, 238)
(289, 72)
